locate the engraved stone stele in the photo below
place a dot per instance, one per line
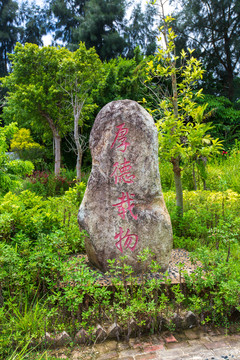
(123, 209)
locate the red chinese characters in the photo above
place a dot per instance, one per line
(121, 138)
(122, 172)
(125, 204)
(131, 239)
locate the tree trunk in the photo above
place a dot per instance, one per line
(174, 100)
(178, 185)
(57, 153)
(79, 166)
(56, 141)
(78, 147)
(175, 161)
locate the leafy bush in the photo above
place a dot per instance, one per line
(214, 287)
(203, 212)
(219, 174)
(36, 238)
(11, 171)
(229, 166)
(47, 184)
(23, 144)
(32, 231)
(166, 174)
(22, 168)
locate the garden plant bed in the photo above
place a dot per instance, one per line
(180, 259)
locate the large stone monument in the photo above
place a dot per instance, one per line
(123, 209)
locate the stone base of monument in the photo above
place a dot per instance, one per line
(178, 257)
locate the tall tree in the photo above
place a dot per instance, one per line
(141, 30)
(8, 31)
(123, 79)
(182, 133)
(50, 91)
(79, 73)
(33, 95)
(33, 23)
(102, 26)
(68, 15)
(213, 28)
(98, 23)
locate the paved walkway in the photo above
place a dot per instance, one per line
(187, 345)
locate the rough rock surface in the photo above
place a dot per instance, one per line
(62, 339)
(113, 331)
(82, 337)
(100, 333)
(190, 320)
(123, 209)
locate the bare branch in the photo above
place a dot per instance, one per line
(72, 145)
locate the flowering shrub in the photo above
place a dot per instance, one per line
(47, 184)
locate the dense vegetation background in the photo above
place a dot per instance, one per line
(105, 50)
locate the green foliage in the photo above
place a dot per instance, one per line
(9, 32)
(139, 299)
(23, 323)
(217, 174)
(183, 136)
(29, 223)
(204, 212)
(166, 174)
(11, 171)
(214, 287)
(225, 116)
(223, 172)
(34, 19)
(47, 184)
(26, 353)
(141, 31)
(33, 215)
(67, 17)
(206, 26)
(34, 97)
(24, 145)
(32, 86)
(121, 80)
(100, 27)
(20, 167)
(43, 83)
(79, 73)
(97, 23)
(36, 238)
(77, 76)
(182, 132)
(103, 24)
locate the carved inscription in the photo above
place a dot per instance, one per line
(122, 172)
